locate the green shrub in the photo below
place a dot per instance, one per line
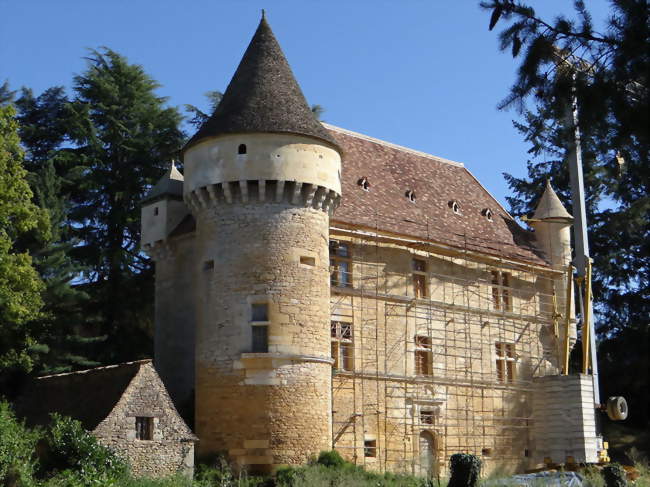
(465, 470)
(614, 475)
(17, 449)
(330, 458)
(75, 453)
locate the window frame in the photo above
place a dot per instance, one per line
(501, 283)
(144, 428)
(506, 362)
(342, 342)
(370, 448)
(420, 278)
(257, 326)
(423, 356)
(337, 261)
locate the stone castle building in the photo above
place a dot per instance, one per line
(317, 288)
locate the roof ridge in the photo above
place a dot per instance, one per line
(103, 367)
(392, 145)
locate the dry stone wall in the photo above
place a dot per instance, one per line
(172, 448)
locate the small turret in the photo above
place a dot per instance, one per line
(552, 224)
(163, 208)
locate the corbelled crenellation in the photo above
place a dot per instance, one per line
(262, 191)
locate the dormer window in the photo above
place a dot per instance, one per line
(241, 149)
(364, 183)
(455, 206)
(410, 195)
(487, 213)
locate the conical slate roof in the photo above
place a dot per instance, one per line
(550, 206)
(171, 184)
(263, 96)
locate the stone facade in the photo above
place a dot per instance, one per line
(343, 292)
(171, 447)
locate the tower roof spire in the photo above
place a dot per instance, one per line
(550, 206)
(263, 96)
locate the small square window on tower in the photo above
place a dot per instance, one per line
(144, 428)
(259, 312)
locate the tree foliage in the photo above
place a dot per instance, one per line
(63, 325)
(567, 59)
(20, 285)
(123, 138)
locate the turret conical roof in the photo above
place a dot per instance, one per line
(550, 206)
(171, 184)
(263, 96)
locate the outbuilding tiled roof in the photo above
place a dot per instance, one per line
(436, 186)
(263, 96)
(87, 395)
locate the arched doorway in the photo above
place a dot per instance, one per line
(428, 457)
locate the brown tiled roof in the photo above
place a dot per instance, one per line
(88, 395)
(392, 171)
(263, 96)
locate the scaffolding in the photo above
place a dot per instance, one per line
(444, 372)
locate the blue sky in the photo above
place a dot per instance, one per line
(426, 74)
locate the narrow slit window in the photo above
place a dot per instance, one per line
(306, 260)
(144, 428)
(155, 211)
(241, 149)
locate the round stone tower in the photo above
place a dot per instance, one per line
(262, 177)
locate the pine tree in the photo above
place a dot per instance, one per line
(63, 328)
(608, 76)
(124, 138)
(20, 285)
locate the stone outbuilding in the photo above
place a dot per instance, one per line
(128, 409)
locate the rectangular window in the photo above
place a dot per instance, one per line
(505, 362)
(419, 268)
(423, 355)
(260, 339)
(259, 312)
(342, 345)
(426, 416)
(340, 264)
(501, 296)
(144, 428)
(370, 448)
